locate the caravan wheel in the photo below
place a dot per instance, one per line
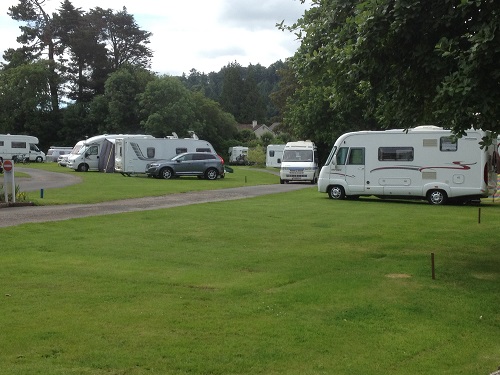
(437, 197)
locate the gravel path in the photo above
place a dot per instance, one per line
(34, 214)
(41, 179)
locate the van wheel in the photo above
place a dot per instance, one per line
(282, 181)
(166, 173)
(211, 174)
(437, 197)
(39, 159)
(83, 168)
(336, 192)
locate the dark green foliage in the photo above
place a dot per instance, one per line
(395, 64)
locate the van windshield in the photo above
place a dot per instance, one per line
(297, 155)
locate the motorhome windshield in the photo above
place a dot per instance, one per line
(76, 149)
(330, 157)
(83, 149)
(297, 155)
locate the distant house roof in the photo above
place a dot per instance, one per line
(258, 130)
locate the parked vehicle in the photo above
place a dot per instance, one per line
(20, 147)
(133, 154)
(274, 155)
(62, 160)
(238, 155)
(97, 153)
(299, 163)
(426, 162)
(201, 164)
(55, 151)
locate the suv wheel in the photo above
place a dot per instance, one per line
(166, 173)
(211, 174)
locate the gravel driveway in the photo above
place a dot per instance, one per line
(34, 214)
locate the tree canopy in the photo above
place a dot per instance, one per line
(394, 64)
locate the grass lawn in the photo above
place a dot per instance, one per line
(99, 187)
(292, 283)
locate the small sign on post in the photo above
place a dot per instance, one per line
(9, 184)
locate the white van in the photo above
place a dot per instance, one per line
(55, 151)
(299, 163)
(426, 162)
(20, 146)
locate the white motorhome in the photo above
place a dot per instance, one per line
(274, 155)
(299, 162)
(133, 154)
(238, 155)
(20, 146)
(97, 153)
(425, 162)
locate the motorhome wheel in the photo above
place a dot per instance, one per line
(336, 192)
(437, 197)
(83, 167)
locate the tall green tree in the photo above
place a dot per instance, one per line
(397, 63)
(38, 38)
(25, 100)
(167, 107)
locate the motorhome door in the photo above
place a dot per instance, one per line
(355, 169)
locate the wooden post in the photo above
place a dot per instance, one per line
(479, 215)
(432, 266)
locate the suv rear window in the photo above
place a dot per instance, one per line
(203, 157)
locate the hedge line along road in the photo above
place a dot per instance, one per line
(12, 216)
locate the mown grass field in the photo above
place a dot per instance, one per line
(99, 187)
(293, 283)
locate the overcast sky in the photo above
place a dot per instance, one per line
(201, 34)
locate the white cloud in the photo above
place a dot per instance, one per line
(200, 34)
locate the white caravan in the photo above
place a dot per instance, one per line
(274, 155)
(97, 153)
(19, 146)
(238, 155)
(426, 162)
(133, 154)
(299, 163)
(55, 151)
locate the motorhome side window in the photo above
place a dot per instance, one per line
(92, 150)
(356, 156)
(1, 143)
(342, 155)
(448, 144)
(203, 150)
(181, 150)
(395, 153)
(271, 153)
(18, 144)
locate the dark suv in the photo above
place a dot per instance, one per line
(201, 164)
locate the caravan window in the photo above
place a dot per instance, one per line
(1, 143)
(395, 153)
(203, 150)
(448, 144)
(180, 150)
(18, 144)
